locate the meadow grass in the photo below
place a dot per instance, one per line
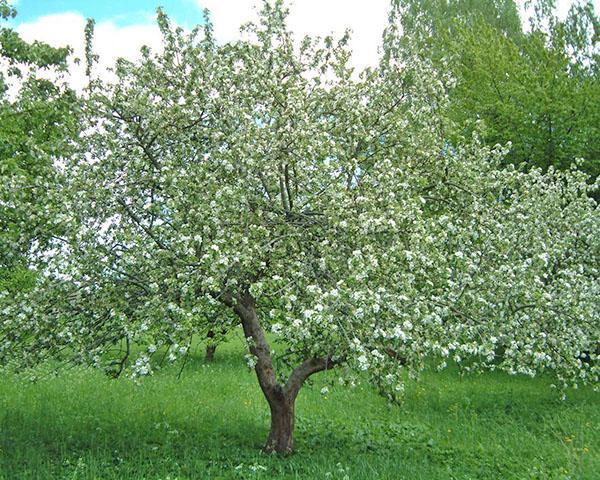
(211, 422)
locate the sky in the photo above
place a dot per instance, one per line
(120, 12)
(123, 26)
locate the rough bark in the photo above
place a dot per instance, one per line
(281, 434)
(281, 398)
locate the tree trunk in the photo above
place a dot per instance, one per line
(281, 435)
(211, 347)
(210, 353)
(212, 342)
(281, 398)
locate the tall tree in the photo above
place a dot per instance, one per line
(538, 89)
(37, 120)
(269, 186)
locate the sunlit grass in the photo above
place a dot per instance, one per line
(211, 422)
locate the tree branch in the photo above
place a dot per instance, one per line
(303, 371)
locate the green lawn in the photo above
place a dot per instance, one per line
(211, 422)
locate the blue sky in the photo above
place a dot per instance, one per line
(120, 12)
(123, 26)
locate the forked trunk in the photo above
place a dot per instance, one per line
(281, 398)
(281, 435)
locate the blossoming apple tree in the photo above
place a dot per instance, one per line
(270, 185)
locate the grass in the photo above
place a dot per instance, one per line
(211, 423)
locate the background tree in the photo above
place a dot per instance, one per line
(38, 117)
(538, 89)
(268, 186)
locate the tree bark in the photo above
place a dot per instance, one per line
(210, 353)
(211, 347)
(281, 435)
(281, 398)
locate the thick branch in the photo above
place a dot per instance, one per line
(287, 186)
(303, 371)
(283, 192)
(244, 306)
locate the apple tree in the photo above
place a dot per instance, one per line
(266, 183)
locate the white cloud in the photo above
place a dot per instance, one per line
(110, 40)
(312, 17)
(366, 19)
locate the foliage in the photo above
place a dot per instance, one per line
(538, 89)
(37, 119)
